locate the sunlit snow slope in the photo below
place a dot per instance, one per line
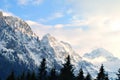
(21, 50)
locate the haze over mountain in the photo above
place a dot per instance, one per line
(101, 56)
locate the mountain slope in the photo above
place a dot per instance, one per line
(21, 49)
(59, 50)
(15, 39)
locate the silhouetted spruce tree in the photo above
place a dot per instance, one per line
(22, 77)
(28, 76)
(88, 77)
(53, 75)
(18, 78)
(118, 75)
(33, 76)
(11, 76)
(80, 75)
(42, 75)
(101, 75)
(67, 71)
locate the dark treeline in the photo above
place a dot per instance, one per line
(66, 73)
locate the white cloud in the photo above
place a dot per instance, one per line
(29, 2)
(22, 2)
(69, 11)
(53, 16)
(39, 29)
(59, 26)
(7, 13)
(91, 7)
(37, 2)
(103, 19)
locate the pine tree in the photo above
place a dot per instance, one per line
(18, 78)
(33, 76)
(22, 77)
(80, 75)
(42, 75)
(28, 76)
(88, 77)
(67, 70)
(101, 75)
(53, 75)
(118, 75)
(11, 76)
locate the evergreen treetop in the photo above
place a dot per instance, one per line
(67, 70)
(11, 76)
(88, 77)
(80, 75)
(53, 75)
(42, 70)
(101, 75)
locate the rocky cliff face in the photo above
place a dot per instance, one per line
(18, 44)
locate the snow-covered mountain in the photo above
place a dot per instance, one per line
(100, 52)
(18, 46)
(59, 50)
(21, 50)
(101, 56)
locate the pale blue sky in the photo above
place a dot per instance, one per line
(46, 11)
(85, 24)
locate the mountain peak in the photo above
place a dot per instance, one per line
(48, 38)
(98, 53)
(48, 35)
(102, 52)
(16, 24)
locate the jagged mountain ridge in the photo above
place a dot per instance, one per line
(21, 49)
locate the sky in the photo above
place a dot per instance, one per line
(85, 24)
